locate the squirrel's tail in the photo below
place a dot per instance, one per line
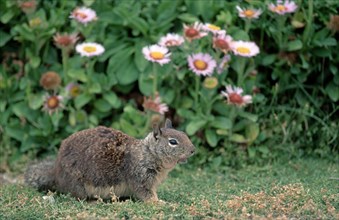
(41, 175)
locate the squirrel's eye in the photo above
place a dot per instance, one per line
(173, 142)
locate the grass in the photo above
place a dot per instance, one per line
(302, 189)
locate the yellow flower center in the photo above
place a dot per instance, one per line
(249, 13)
(243, 50)
(200, 64)
(213, 27)
(90, 49)
(280, 8)
(157, 55)
(75, 91)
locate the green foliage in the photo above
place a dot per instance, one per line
(294, 80)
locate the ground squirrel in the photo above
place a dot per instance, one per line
(102, 162)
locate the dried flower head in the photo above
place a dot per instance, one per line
(333, 24)
(282, 8)
(244, 48)
(50, 80)
(157, 54)
(222, 42)
(201, 64)
(171, 40)
(73, 90)
(155, 105)
(65, 40)
(53, 103)
(234, 96)
(194, 31)
(84, 15)
(90, 49)
(28, 7)
(248, 13)
(210, 82)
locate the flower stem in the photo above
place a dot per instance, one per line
(64, 52)
(248, 25)
(241, 70)
(155, 81)
(196, 93)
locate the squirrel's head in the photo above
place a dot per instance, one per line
(172, 146)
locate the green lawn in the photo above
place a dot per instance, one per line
(303, 189)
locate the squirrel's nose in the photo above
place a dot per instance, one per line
(192, 151)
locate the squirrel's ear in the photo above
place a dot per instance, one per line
(168, 123)
(156, 131)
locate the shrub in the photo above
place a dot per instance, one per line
(289, 103)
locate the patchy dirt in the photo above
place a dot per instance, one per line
(6, 178)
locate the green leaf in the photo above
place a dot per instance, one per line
(211, 137)
(332, 91)
(5, 18)
(35, 101)
(112, 99)
(35, 61)
(221, 123)
(16, 132)
(188, 18)
(294, 45)
(128, 74)
(249, 116)
(94, 88)
(194, 126)
(252, 132)
(268, 59)
(81, 100)
(78, 74)
(238, 138)
(102, 105)
(139, 59)
(4, 38)
(145, 84)
(328, 42)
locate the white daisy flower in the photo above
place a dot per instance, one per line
(234, 96)
(171, 40)
(90, 49)
(248, 13)
(244, 48)
(156, 53)
(83, 15)
(213, 28)
(283, 7)
(201, 64)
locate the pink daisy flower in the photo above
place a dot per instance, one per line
(283, 7)
(157, 54)
(171, 40)
(155, 105)
(244, 48)
(222, 42)
(201, 64)
(234, 96)
(194, 31)
(248, 13)
(84, 15)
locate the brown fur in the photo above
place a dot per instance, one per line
(102, 162)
